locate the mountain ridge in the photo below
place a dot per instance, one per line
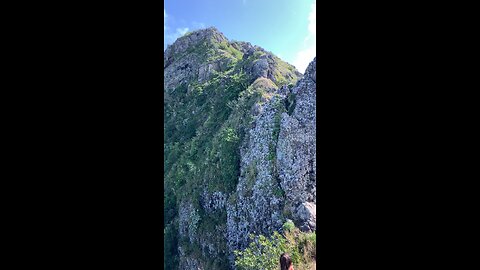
(233, 112)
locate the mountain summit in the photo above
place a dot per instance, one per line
(203, 52)
(239, 146)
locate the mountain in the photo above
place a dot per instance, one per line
(239, 140)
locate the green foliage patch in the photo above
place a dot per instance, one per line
(264, 253)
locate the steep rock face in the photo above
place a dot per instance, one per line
(296, 152)
(188, 262)
(229, 170)
(257, 203)
(188, 220)
(212, 202)
(278, 166)
(185, 60)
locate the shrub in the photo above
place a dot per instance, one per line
(264, 253)
(288, 226)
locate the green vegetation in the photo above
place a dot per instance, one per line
(204, 125)
(278, 192)
(258, 54)
(290, 103)
(231, 50)
(288, 226)
(264, 253)
(203, 129)
(251, 176)
(276, 129)
(170, 245)
(201, 50)
(283, 73)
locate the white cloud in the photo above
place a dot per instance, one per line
(309, 49)
(171, 37)
(182, 31)
(167, 34)
(164, 20)
(312, 19)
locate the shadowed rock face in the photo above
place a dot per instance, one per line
(273, 128)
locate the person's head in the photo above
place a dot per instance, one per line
(285, 262)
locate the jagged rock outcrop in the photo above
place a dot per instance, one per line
(296, 151)
(182, 64)
(187, 42)
(278, 166)
(213, 201)
(188, 220)
(258, 198)
(306, 213)
(188, 262)
(239, 147)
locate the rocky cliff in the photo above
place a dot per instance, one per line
(240, 153)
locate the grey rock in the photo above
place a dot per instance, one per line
(260, 68)
(213, 201)
(189, 263)
(258, 208)
(306, 214)
(277, 155)
(296, 151)
(188, 221)
(292, 169)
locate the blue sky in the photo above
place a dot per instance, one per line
(287, 28)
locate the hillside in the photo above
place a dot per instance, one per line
(239, 140)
